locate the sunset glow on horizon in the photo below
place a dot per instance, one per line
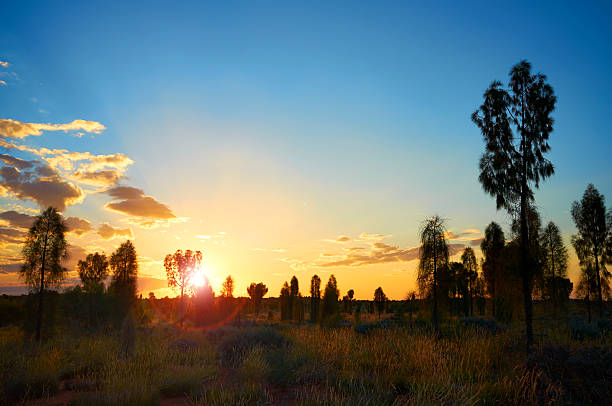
(282, 139)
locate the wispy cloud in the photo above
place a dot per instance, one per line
(380, 253)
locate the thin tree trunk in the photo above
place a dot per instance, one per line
(554, 281)
(526, 267)
(435, 291)
(42, 287)
(598, 283)
(588, 300)
(182, 307)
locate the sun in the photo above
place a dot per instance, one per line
(200, 277)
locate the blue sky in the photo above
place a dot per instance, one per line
(283, 125)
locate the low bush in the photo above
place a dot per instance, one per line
(233, 348)
(581, 330)
(583, 372)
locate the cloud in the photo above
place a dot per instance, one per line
(471, 231)
(61, 158)
(4, 64)
(382, 253)
(343, 238)
(133, 202)
(471, 235)
(145, 283)
(75, 253)
(376, 237)
(11, 236)
(107, 232)
(15, 129)
(42, 184)
(477, 242)
(77, 225)
(19, 220)
(16, 162)
(108, 177)
(279, 250)
(295, 264)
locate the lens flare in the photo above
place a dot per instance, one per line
(199, 277)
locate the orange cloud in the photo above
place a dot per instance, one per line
(382, 253)
(107, 232)
(43, 185)
(19, 220)
(15, 129)
(133, 202)
(11, 236)
(16, 162)
(77, 225)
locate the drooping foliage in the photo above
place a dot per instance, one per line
(315, 297)
(124, 265)
(257, 291)
(93, 271)
(516, 124)
(330, 306)
(554, 265)
(433, 256)
(380, 300)
(593, 242)
(43, 251)
(492, 248)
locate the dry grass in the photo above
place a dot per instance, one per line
(295, 364)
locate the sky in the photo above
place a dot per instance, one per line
(282, 139)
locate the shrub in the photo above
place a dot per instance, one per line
(487, 326)
(234, 348)
(584, 373)
(580, 329)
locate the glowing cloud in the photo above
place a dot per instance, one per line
(15, 129)
(107, 232)
(133, 202)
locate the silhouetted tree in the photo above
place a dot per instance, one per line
(554, 262)
(298, 308)
(594, 237)
(380, 299)
(204, 304)
(347, 301)
(492, 248)
(586, 284)
(45, 247)
(92, 271)
(459, 284)
(124, 264)
(285, 302)
(227, 290)
(433, 255)
(516, 124)
(411, 299)
(479, 294)
(470, 266)
(315, 297)
(330, 307)
(179, 270)
(257, 292)
(294, 290)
